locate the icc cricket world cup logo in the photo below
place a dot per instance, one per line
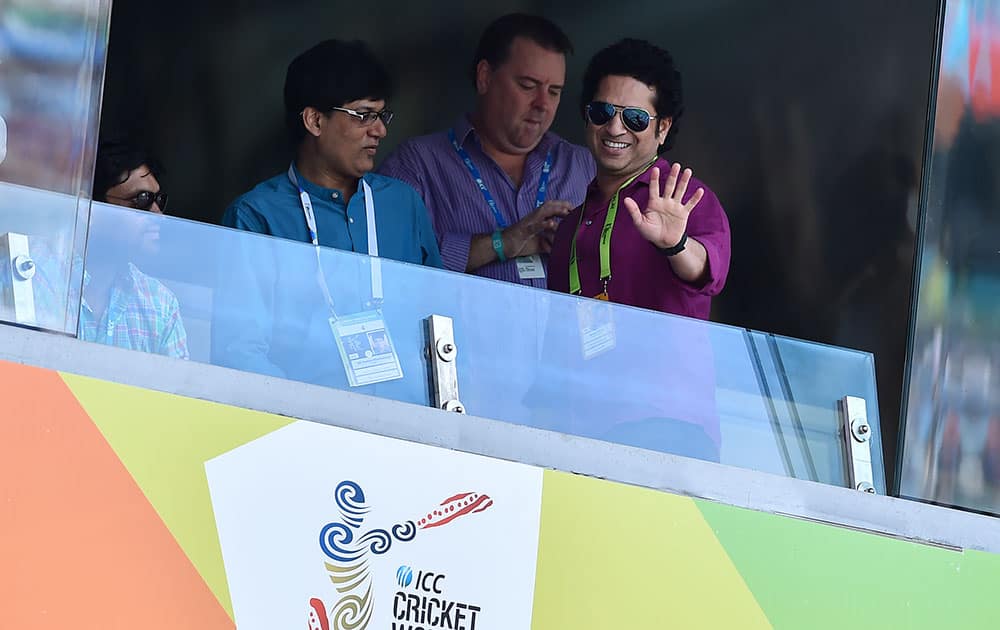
(347, 548)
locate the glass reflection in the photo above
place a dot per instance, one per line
(951, 452)
(52, 54)
(525, 356)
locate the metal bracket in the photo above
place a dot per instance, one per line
(17, 294)
(441, 355)
(857, 441)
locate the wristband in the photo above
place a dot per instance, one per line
(678, 248)
(498, 245)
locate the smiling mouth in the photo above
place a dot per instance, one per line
(611, 144)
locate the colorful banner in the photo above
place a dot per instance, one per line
(124, 508)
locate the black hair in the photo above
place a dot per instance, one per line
(643, 62)
(494, 45)
(116, 158)
(331, 74)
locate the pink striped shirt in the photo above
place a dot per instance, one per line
(458, 210)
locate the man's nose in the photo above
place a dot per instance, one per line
(544, 100)
(378, 129)
(615, 126)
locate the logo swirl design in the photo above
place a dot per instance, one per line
(347, 553)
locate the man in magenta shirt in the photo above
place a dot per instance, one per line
(648, 233)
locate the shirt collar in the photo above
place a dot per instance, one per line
(127, 281)
(659, 162)
(463, 127)
(126, 276)
(326, 193)
(593, 191)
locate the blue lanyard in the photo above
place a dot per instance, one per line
(543, 181)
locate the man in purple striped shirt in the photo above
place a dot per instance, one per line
(497, 182)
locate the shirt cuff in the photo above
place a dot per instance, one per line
(713, 281)
(455, 251)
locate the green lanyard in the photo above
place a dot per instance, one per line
(605, 249)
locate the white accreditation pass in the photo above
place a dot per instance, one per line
(530, 267)
(596, 322)
(366, 348)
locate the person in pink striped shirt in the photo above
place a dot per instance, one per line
(498, 181)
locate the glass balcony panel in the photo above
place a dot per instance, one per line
(53, 66)
(557, 362)
(951, 431)
(809, 373)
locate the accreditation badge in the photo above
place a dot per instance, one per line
(530, 268)
(596, 321)
(366, 348)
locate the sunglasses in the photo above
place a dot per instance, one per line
(367, 118)
(635, 119)
(146, 199)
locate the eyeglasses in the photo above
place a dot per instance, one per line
(634, 118)
(367, 118)
(145, 200)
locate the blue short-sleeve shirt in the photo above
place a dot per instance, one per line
(403, 225)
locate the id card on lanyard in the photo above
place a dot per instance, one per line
(366, 348)
(595, 321)
(528, 267)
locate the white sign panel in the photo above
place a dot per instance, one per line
(333, 529)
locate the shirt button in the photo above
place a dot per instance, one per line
(350, 220)
(336, 195)
(590, 222)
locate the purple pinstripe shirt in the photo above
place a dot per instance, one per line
(458, 211)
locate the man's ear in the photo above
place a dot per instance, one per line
(312, 120)
(484, 73)
(663, 128)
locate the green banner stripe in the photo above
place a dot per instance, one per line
(809, 575)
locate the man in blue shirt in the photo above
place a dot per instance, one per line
(335, 110)
(279, 305)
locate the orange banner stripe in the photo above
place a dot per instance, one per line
(81, 546)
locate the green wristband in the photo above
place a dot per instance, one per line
(498, 245)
